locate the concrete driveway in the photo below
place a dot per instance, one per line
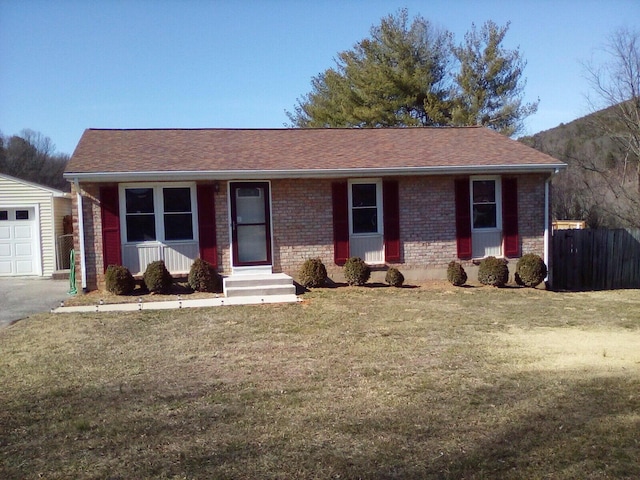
(21, 297)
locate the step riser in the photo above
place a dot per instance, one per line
(258, 285)
(260, 291)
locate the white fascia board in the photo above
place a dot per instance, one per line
(310, 173)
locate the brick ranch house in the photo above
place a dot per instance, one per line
(265, 200)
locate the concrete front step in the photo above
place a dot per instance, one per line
(258, 285)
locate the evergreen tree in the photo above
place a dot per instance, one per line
(398, 77)
(403, 75)
(489, 82)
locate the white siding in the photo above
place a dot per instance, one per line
(370, 248)
(16, 193)
(177, 256)
(486, 244)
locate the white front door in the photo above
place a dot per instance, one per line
(19, 251)
(366, 236)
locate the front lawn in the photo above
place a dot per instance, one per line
(373, 383)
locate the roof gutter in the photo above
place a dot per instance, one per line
(311, 173)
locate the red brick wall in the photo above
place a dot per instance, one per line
(302, 222)
(94, 263)
(303, 227)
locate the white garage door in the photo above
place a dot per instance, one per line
(18, 243)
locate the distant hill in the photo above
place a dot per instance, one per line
(601, 183)
(33, 158)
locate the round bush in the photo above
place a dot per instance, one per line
(119, 280)
(394, 277)
(356, 272)
(493, 271)
(313, 273)
(157, 278)
(530, 270)
(203, 277)
(456, 274)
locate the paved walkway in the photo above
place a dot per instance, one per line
(21, 297)
(173, 304)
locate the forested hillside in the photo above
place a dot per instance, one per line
(31, 156)
(602, 182)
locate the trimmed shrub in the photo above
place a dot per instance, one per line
(356, 272)
(493, 271)
(157, 278)
(530, 270)
(394, 277)
(203, 277)
(119, 280)
(313, 273)
(456, 274)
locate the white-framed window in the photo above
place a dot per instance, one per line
(158, 212)
(365, 207)
(486, 204)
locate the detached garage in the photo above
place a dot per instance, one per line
(34, 237)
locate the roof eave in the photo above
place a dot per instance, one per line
(310, 173)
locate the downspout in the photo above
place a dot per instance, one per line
(83, 266)
(547, 233)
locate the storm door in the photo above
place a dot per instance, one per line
(250, 224)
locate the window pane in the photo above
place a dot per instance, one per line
(22, 214)
(484, 216)
(250, 208)
(4, 215)
(141, 228)
(484, 191)
(249, 192)
(365, 220)
(139, 200)
(363, 194)
(177, 199)
(178, 226)
(252, 244)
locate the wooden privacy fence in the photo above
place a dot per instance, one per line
(595, 259)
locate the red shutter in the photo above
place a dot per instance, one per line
(510, 217)
(340, 195)
(463, 218)
(207, 224)
(391, 214)
(110, 215)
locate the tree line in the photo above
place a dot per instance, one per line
(602, 182)
(32, 156)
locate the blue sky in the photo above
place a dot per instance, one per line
(67, 65)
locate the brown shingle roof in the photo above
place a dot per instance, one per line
(264, 150)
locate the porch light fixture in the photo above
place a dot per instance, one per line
(216, 187)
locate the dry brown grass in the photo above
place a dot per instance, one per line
(372, 383)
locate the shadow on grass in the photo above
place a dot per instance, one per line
(222, 431)
(580, 433)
